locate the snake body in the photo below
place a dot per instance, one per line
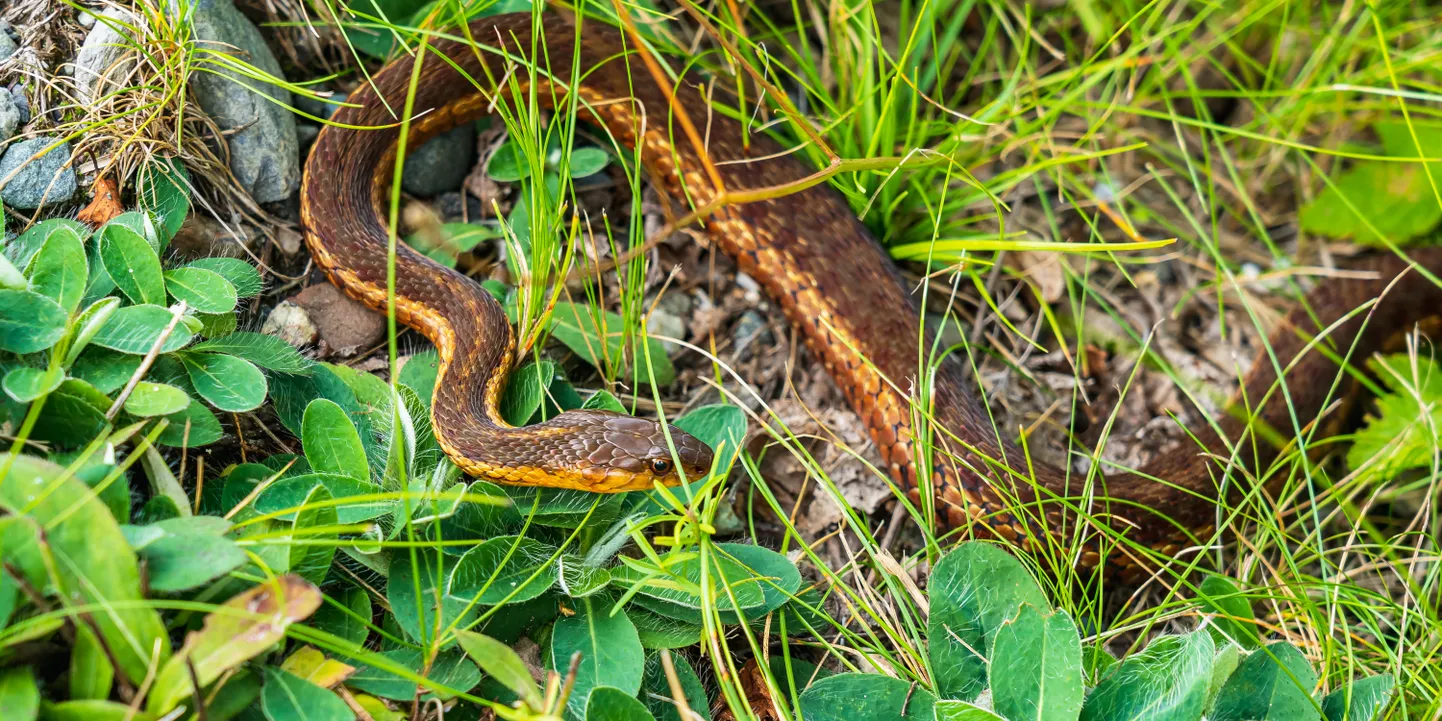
(830, 276)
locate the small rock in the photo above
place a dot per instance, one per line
(203, 237)
(449, 206)
(442, 163)
(44, 180)
(290, 323)
(264, 150)
(105, 54)
(86, 20)
(345, 326)
(9, 120)
(751, 329)
(7, 45)
(290, 241)
(21, 102)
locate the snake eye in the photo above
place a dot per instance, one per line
(660, 465)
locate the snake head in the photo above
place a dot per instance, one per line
(618, 452)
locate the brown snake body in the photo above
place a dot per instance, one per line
(834, 282)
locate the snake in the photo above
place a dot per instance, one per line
(834, 282)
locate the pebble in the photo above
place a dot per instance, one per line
(47, 180)
(751, 329)
(264, 149)
(103, 55)
(290, 323)
(9, 120)
(668, 320)
(8, 46)
(449, 206)
(21, 102)
(346, 326)
(442, 163)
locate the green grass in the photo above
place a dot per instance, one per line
(965, 133)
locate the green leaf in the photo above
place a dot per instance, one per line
(93, 563)
(1036, 669)
(1224, 664)
(588, 161)
(349, 626)
(247, 625)
(242, 275)
(974, 590)
(93, 710)
(59, 270)
(19, 695)
(331, 442)
(135, 329)
(491, 572)
(611, 653)
(266, 351)
(419, 374)
(656, 690)
(678, 592)
(312, 562)
(1166, 681)
(963, 711)
(476, 520)
(604, 401)
(503, 664)
(508, 164)
(1403, 433)
(525, 390)
(596, 336)
(132, 263)
(204, 290)
(287, 697)
(454, 240)
(87, 324)
(74, 415)
(193, 427)
(29, 322)
(577, 580)
(416, 615)
(855, 696)
(180, 562)
(1361, 700)
(291, 492)
(25, 384)
(155, 399)
(227, 382)
(1232, 618)
(662, 632)
(451, 669)
(164, 190)
(91, 674)
(610, 704)
(1273, 684)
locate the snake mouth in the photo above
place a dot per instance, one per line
(696, 457)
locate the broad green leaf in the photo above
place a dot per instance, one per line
(351, 625)
(597, 337)
(266, 351)
(656, 690)
(331, 442)
(181, 562)
(963, 711)
(610, 704)
(416, 614)
(721, 427)
(29, 322)
(247, 625)
(59, 270)
(93, 563)
(478, 520)
(588, 161)
(93, 710)
(191, 428)
(452, 240)
(419, 373)
(663, 632)
(503, 569)
(1036, 670)
(239, 692)
(312, 561)
(135, 329)
(132, 263)
(1361, 700)
(974, 590)
(89, 322)
(242, 275)
(1402, 434)
(1224, 664)
(1395, 199)
(25, 384)
(1272, 684)
(855, 696)
(74, 415)
(226, 382)
(11, 277)
(604, 401)
(678, 592)
(1166, 681)
(155, 399)
(91, 673)
(164, 190)
(203, 290)
(451, 670)
(503, 664)
(576, 579)
(19, 694)
(27, 244)
(287, 697)
(508, 164)
(291, 492)
(525, 390)
(611, 653)
(1232, 618)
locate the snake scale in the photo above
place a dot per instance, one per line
(833, 280)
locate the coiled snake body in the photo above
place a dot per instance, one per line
(821, 265)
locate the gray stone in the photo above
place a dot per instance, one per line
(442, 163)
(751, 330)
(9, 120)
(108, 46)
(46, 180)
(264, 149)
(21, 102)
(7, 46)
